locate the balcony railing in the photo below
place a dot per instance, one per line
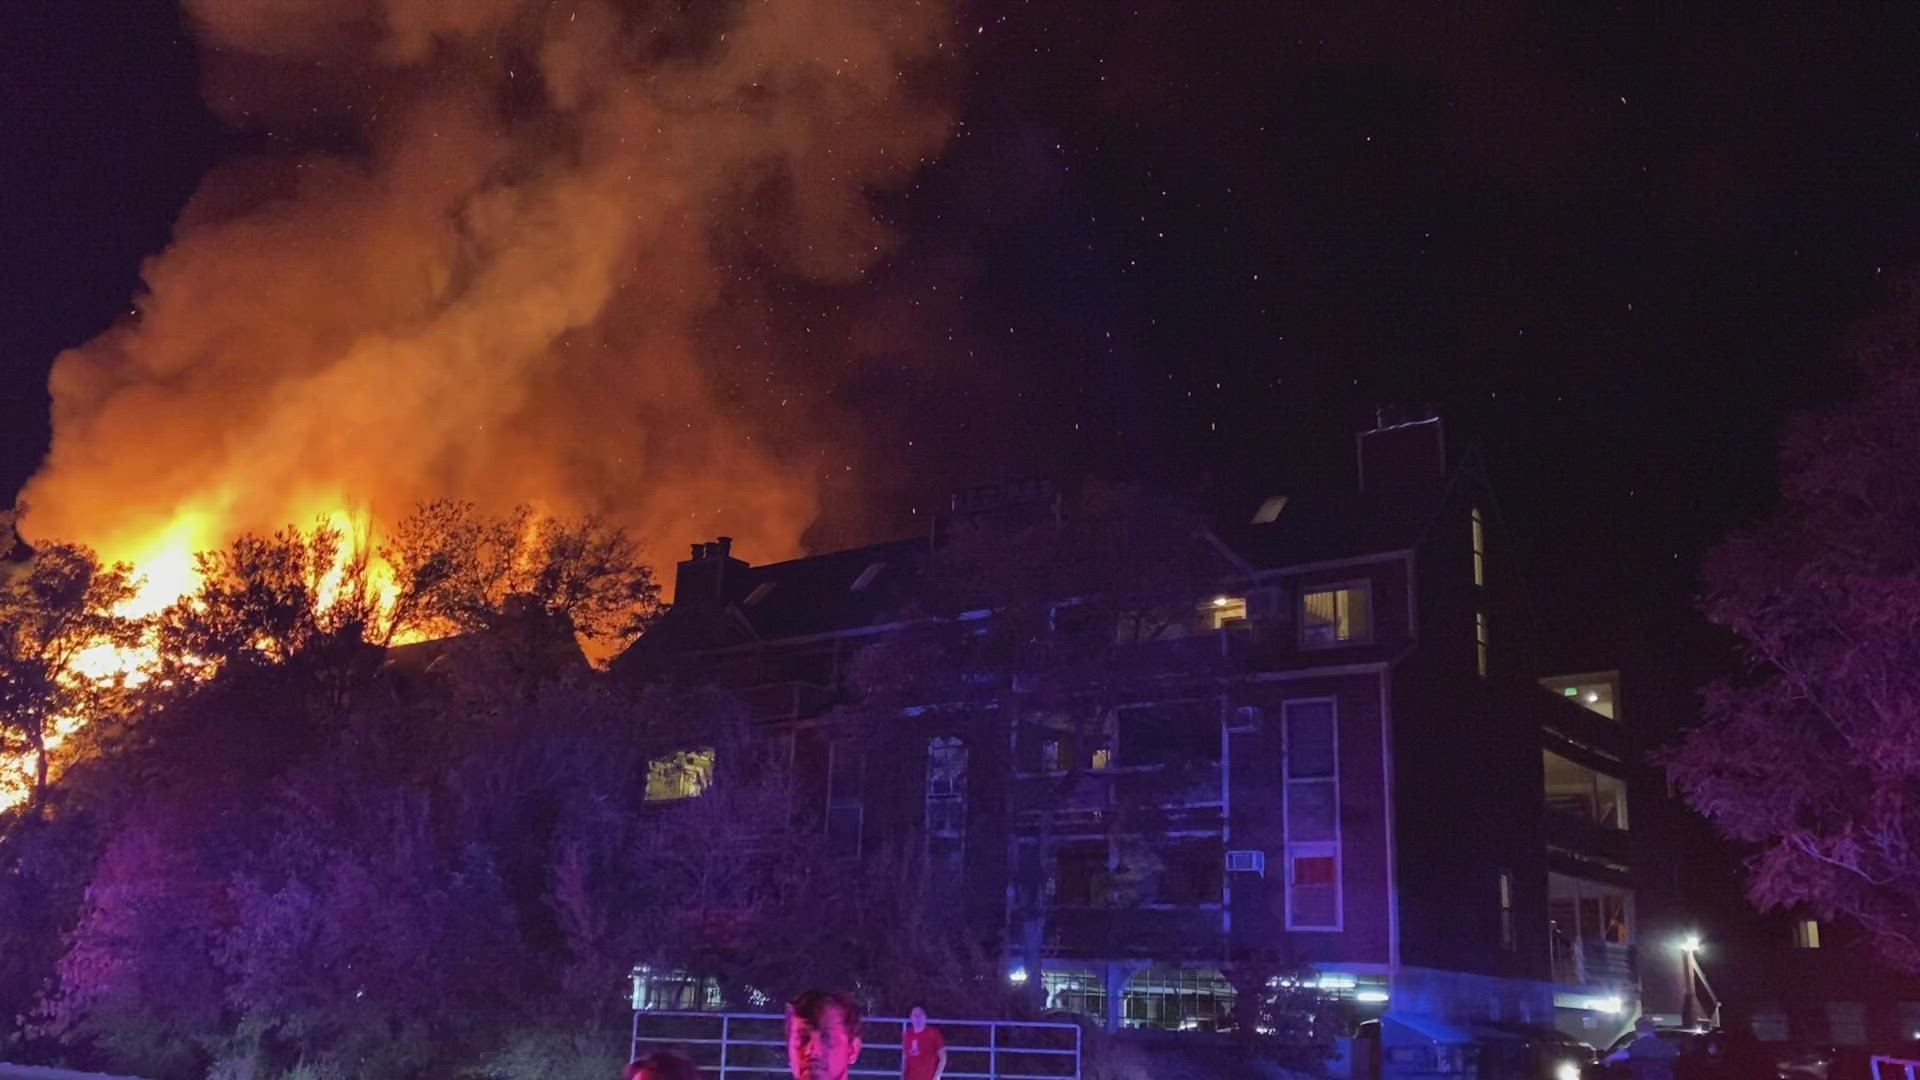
(1592, 963)
(1160, 931)
(738, 1046)
(1588, 837)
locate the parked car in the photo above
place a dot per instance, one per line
(1706, 1055)
(1542, 1053)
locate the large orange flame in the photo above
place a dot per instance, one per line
(540, 255)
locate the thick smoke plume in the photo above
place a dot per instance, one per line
(490, 252)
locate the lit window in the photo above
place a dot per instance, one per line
(1103, 757)
(1508, 940)
(1224, 611)
(1806, 934)
(1337, 616)
(1595, 693)
(1312, 815)
(1480, 641)
(680, 775)
(1050, 755)
(1576, 791)
(1479, 549)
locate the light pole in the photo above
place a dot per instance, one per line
(1690, 972)
(1690, 1004)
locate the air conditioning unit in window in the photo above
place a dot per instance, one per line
(1244, 721)
(1247, 862)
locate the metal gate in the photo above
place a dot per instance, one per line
(740, 1046)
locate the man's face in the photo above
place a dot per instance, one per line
(919, 1018)
(825, 1052)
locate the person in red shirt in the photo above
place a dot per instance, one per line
(923, 1051)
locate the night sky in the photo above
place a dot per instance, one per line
(1613, 245)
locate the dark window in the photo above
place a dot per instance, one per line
(1847, 1023)
(1176, 734)
(1050, 755)
(1507, 939)
(846, 807)
(1312, 814)
(1079, 874)
(1192, 872)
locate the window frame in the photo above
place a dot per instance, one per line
(1479, 548)
(958, 795)
(1300, 614)
(1806, 934)
(1320, 848)
(1236, 612)
(1480, 637)
(1509, 937)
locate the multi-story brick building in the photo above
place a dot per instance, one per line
(1341, 768)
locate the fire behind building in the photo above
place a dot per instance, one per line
(1340, 768)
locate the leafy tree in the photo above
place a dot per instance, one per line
(53, 616)
(320, 853)
(1811, 752)
(458, 571)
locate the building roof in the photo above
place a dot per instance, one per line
(860, 587)
(1314, 526)
(839, 590)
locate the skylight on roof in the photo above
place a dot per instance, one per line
(1270, 510)
(760, 592)
(867, 577)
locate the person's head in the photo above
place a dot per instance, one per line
(823, 1035)
(1644, 1026)
(918, 1018)
(662, 1065)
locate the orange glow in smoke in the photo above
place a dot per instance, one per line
(564, 287)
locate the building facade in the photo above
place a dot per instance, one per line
(1321, 760)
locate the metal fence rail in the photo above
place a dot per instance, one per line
(747, 1045)
(1896, 1068)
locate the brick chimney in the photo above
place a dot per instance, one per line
(1404, 455)
(702, 578)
